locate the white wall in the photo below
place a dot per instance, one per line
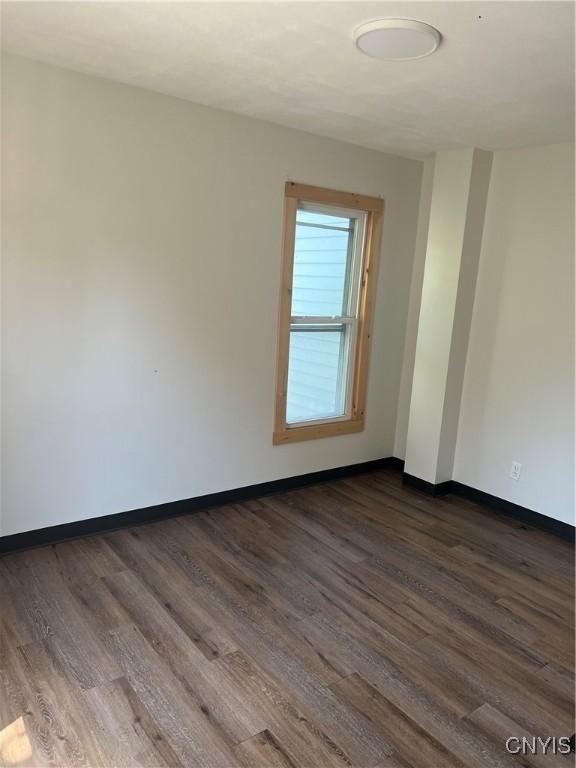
(466, 290)
(518, 397)
(459, 190)
(141, 262)
(415, 299)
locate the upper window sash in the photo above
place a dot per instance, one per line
(356, 244)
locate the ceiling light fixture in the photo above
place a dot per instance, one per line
(397, 39)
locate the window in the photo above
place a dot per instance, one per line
(331, 244)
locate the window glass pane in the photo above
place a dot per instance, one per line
(322, 254)
(317, 371)
(329, 219)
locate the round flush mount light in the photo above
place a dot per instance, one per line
(397, 39)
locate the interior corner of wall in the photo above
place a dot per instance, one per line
(413, 312)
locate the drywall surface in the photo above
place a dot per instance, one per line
(141, 264)
(405, 393)
(446, 230)
(518, 396)
(471, 245)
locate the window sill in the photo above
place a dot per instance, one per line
(315, 431)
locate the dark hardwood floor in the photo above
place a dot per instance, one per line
(353, 623)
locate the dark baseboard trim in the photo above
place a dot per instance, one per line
(94, 525)
(523, 514)
(432, 489)
(395, 463)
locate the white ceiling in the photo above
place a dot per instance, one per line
(502, 77)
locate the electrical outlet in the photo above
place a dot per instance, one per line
(515, 470)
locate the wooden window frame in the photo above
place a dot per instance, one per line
(374, 208)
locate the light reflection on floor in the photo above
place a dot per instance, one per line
(15, 746)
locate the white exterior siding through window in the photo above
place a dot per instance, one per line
(327, 255)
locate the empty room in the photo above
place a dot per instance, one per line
(287, 397)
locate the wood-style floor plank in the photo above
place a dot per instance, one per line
(263, 751)
(351, 624)
(497, 725)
